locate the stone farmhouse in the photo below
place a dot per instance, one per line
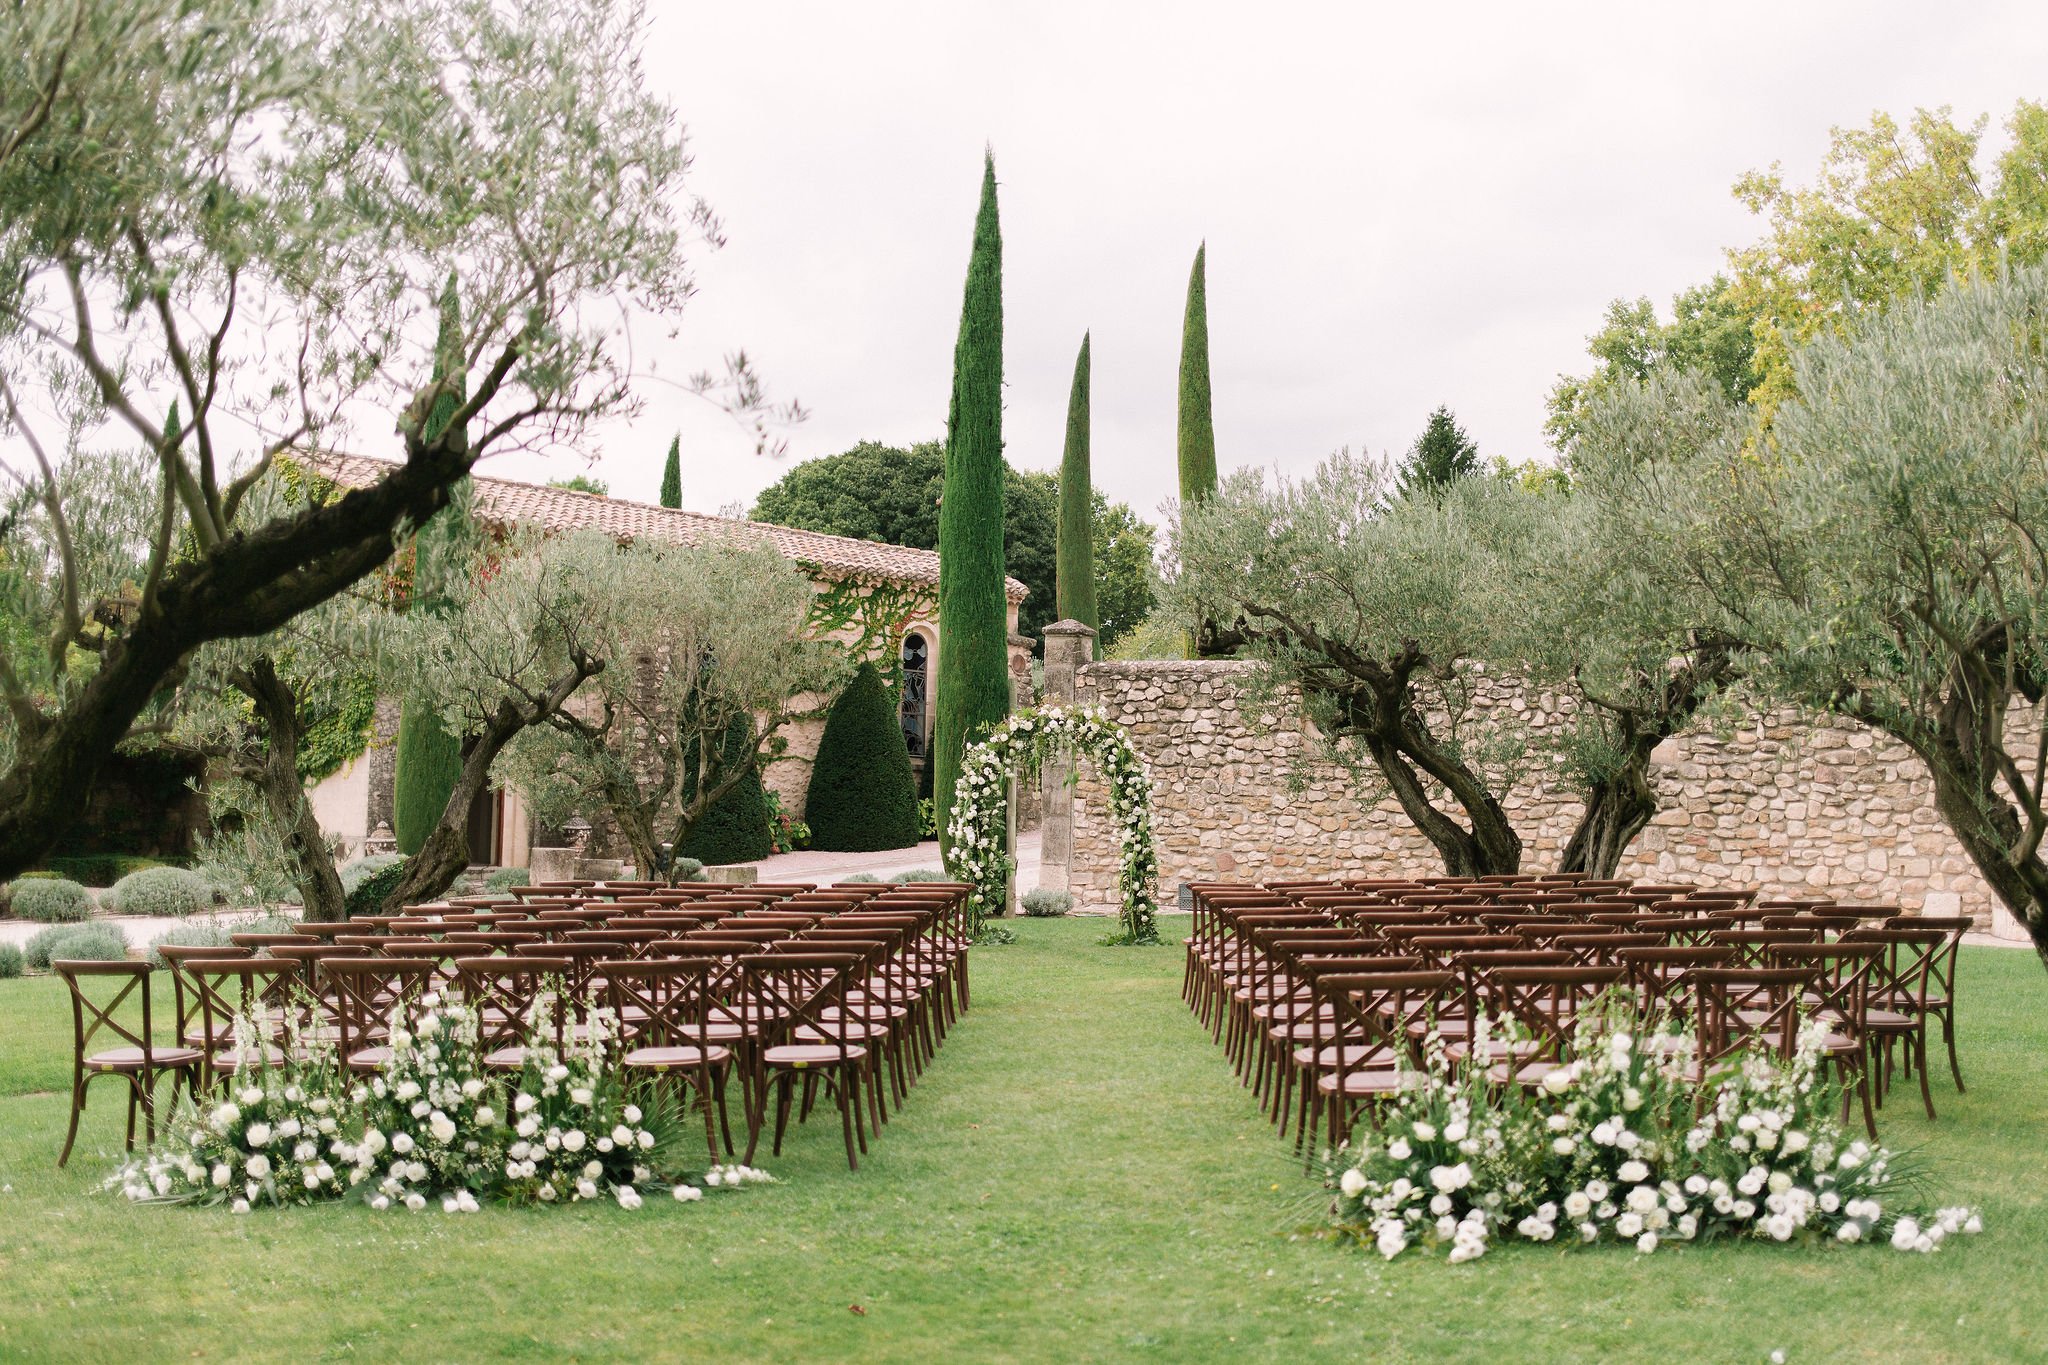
(354, 802)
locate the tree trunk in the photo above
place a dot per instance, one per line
(1617, 809)
(248, 584)
(1991, 832)
(285, 793)
(445, 853)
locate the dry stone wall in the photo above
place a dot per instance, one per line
(1781, 801)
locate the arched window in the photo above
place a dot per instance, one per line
(916, 660)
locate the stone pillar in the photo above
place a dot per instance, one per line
(1068, 645)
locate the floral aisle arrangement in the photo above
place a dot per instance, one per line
(1021, 745)
(270, 1136)
(429, 1129)
(1621, 1144)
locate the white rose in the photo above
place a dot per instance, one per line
(1633, 1172)
(486, 1115)
(687, 1193)
(226, 1117)
(573, 1140)
(1398, 1149)
(258, 1166)
(1563, 1146)
(1352, 1183)
(402, 1143)
(221, 1176)
(580, 1095)
(523, 1103)
(442, 1127)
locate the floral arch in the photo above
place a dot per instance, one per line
(1021, 745)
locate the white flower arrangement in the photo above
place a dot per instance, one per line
(1022, 744)
(1619, 1144)
(270, 1137)
(430, 1128)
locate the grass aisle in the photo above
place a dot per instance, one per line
(1077, 1178)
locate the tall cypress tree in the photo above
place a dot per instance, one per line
(1197, 429)
(428, 760)
(672, 474)
(974, 635)
(1074, 591)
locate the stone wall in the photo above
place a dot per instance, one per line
(1781, 801)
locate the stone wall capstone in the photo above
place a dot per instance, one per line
(1781, 801)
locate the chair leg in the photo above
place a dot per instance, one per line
(77, 1108)
(1926, 1095)
(1948, 1036)
(849, 1102)
(785, 1084)
(704, 1103)
(724, 1118)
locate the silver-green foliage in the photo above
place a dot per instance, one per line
(169, 891)
(215, 933)
(53, 900)
(75, 942)
(11, 961)
(1042, 902)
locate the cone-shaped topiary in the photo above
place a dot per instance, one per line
(863, 795)
(1197, 429)
(1075, 589)
(734, 829)
(672, 474)
(974, 623)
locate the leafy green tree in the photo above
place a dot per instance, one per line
(1398, 619)
(891, 494)
(1711, 332)
(1125, 579)
(1196, 439)
(146, 255)
(1076, 568)
(582, 483)
(1881, 552)
(863, 795)
(1441, 455)
(672, 474)
(655, 746)
(1892, 213)
(974, 634)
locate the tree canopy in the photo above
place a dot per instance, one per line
(891, 494)
(1440, 456)
(285, 299)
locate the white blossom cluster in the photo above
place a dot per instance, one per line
(430, 1128)
(270, 1137)
(1022, 744)
(1618, 1143)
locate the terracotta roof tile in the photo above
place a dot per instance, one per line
(560, 509)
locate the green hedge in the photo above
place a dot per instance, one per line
(54, 900)
(161, 891)
(11, 961)
(505, 878)
(369, 892)
(863, 795)
(101, 869)
(76, 942)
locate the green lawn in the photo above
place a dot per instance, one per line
(1077, 1178)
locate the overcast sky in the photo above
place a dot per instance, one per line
(1404, 206)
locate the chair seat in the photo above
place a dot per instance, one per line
(134, 1059)
(802, 1055)
(232, 1059)
(844, 1028)
(663, 1058)
(1526, 1073)
(369, 1058)
(1369, 1082)
(503, 1059)
(1332, 1057)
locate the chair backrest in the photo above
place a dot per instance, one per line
(793, 990)
(99, 990)
(1654, 973)
(1904, 978)
(1743, 1007)
(1546, 1003)
(360, 994)
(513, 996)
(175, 956)
(661, 1002)
(262, 990)
(1373, 1012)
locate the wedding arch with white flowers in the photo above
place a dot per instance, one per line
(1020, 747)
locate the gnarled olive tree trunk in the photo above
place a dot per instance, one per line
(276, 775)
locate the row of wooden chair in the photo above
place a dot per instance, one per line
(1319, 993)
(848, 992)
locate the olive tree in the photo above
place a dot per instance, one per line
(1382, 610)
(1405, 621)
(1885, 554)
(223, 228)
(710, 653)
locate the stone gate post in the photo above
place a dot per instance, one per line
(1068, 645)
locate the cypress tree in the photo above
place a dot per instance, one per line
(1075, 589)
(429, 759)
(974, 635)
(862, 795)
(1197, 429)
(734, 828)
(1441, 455)
(672, 474)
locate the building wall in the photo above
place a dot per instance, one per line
(1786, 802)
(341, 803)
